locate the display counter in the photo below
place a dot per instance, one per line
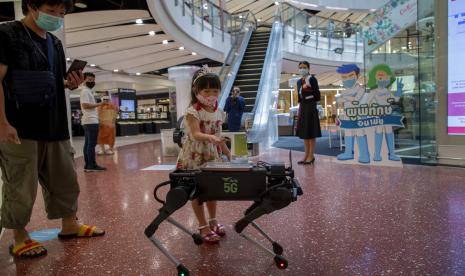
(128, 128)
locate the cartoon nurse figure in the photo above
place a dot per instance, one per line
(349, 98)
(379, 81)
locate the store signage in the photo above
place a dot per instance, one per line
(386, 22)
(456, 72)
(126, 90)
(368, 117)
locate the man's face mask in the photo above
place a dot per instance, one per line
(49, 22)
(90, 84)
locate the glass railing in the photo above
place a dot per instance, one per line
(265, 126)
(213, 18)
(320, 32)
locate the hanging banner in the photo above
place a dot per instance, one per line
(368, 118)
(387, 21)
(456, 74)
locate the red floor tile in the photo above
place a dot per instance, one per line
(352, 220)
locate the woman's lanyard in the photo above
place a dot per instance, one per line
(309, 97)
(50, 51)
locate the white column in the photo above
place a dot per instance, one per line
(182, 75)
(18, 10)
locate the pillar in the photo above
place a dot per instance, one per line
(18, 10)
(182, 75)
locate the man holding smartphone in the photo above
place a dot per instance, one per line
(90, 123)
(34, 139)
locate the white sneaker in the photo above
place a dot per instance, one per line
(109, 152)
(100, 152)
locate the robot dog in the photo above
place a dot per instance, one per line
(270, 186)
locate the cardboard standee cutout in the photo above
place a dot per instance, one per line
(368, 117)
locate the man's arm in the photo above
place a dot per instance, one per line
(7, 132)
(227, 106)
(85, 101)
(242, 104)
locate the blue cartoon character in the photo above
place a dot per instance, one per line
(379, 81)
(351, 97)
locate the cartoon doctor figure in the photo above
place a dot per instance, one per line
(351, 97)
(380, 80)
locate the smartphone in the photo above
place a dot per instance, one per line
(77, 65)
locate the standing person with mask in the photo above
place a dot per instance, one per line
(34, 138)
(234, 107)
(308, 123)
(90, 123)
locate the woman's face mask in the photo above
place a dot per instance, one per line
(303, 71)
(49, 22)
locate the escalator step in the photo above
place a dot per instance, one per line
(247, 76)
(247, 82)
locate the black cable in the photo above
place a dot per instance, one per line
(158, 187)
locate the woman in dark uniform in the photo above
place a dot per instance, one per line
(308, 124)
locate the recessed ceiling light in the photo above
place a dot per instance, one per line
(152, 33)
(93, 65)
(165, 41)
(259, 20)
(68, 59)
(139, 21)
(194, 53)
(240, 16)
(276, 3)
(181, 48)
(116, 70)
(138, 73)
(294, 75)
(80, 4)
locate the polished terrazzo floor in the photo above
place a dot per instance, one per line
(352, 220)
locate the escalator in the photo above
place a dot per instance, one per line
(248, 76)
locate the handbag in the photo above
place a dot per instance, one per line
(34, 88)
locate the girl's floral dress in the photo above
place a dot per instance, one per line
(194, 154)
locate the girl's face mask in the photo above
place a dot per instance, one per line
(209, 101)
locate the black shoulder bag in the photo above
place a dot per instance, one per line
(34, 88)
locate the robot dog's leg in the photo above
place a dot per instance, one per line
(175, 199)
(279, 260)
(277, 248)
(274, 200)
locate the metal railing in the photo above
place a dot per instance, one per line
(324, 33)
(212, 17)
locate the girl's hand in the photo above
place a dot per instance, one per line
(215, 140)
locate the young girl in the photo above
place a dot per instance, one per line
(203, 143)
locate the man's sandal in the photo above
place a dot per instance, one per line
(211, 237)
(219, 229)
(85, 231)
(21, 250)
